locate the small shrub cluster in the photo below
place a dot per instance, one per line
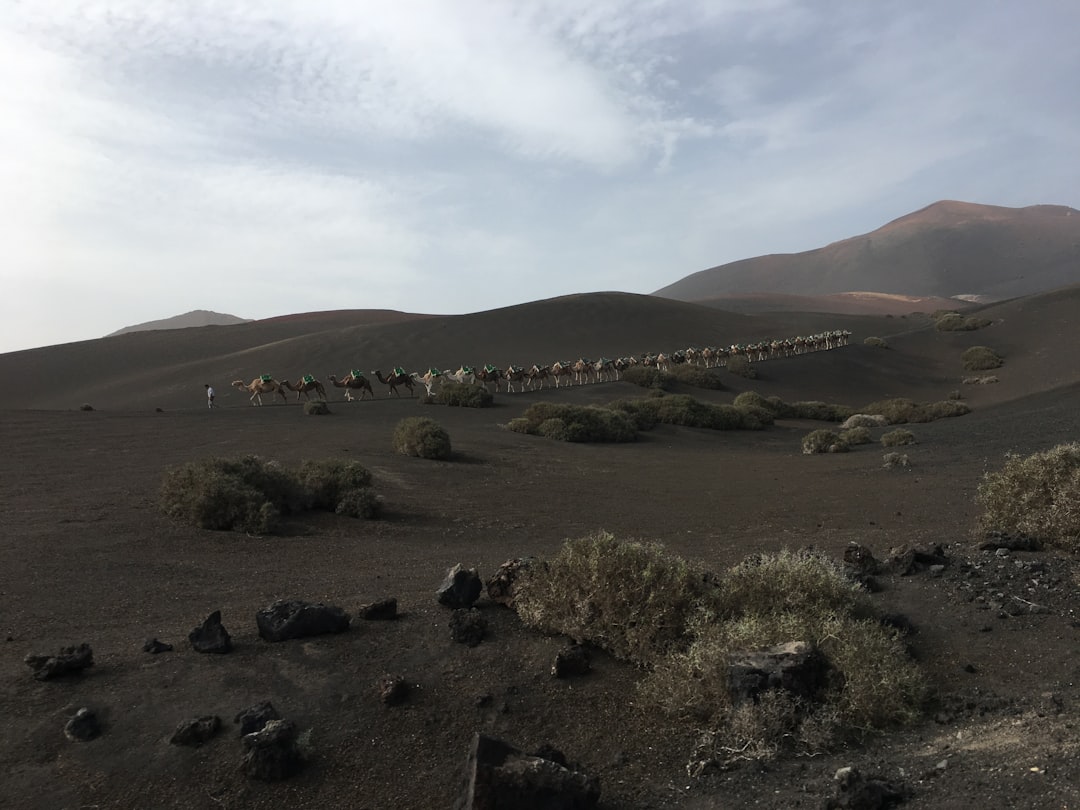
(955, 322)
(464, 395)
(1037, 494)
(421, 437)
(987, 380)
(648, 377)
(901, 410)
(822, 441)
(684, 410)
(893, 460)
(740, 365)
(898, 438)
(575, 423)
(821, 411)
(250, 494)
(876, 342)
(316, 407)
(864, 420)
(86, 406)
(696, 376)
(981, 358)
(856, 435)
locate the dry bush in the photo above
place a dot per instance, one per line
(864, 420)
(876, 342)
(361, 502)
(752, 399)
(955, 322)
(981, 358)
(327, 481)
(421, 437)
(980, 380)
(684, 410)
(741, 366)
(820, 411)
(696, 376)
(647, 377)
(945, 409)
(856, 435)
(464, 395)
(901, 410)
(820, 441)
(1037, 494)
(632, 599)
(897, 438)
(316, 407)
(893, 460)
(575, 423)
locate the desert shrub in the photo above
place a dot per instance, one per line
(647, 377)
(464, 395)
(864, 420)
(327, 481)
(576, 423)
(741, 366)
(1037, 494)
(945, 409)
(892, 460)
(86, 406)
(421, 437)
(898, 438)
(821, 411)
(755, 418)
(519, 424)
(684, 410)
(876, 342)
(316, 407)
(246, 494)
(981, 358)
(820, 441)
(359, 502)
(696, 376)
(856, 435)
(896, 411)
(774, 599)
(632, 599)
(752, 399)
(955, 322)
(980, 380)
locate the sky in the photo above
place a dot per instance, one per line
(263, 158)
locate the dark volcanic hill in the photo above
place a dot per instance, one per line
(197, 317)
(945, 250)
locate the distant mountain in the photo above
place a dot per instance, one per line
(947, 250)
(197, 317)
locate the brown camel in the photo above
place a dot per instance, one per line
(396, 378)
(515, 374)
(304, 385)
(353, 381)
(561, 369)
(259, 386)
(537, 372)
(489, 374)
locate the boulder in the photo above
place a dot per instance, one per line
(461, 587)
(196, 731)
(83, 726)
(291, 619)
(498, 775)
(796, 667)
(502, 587)
(68, 660)
(254, 718)
(383, 610)
(907, 560)
(854, 791)
(153, 646)
(467, 626)
(211, 636)
(271, 754)
(393, 689)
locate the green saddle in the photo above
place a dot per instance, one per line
(356, 374)
(399, 371)
(266, 377)
(308, 379)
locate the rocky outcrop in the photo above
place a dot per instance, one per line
(461, 587)
(211, 636)
(291, 619)
(68, 660)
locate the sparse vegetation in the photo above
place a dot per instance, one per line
(898, 438)
(741, 366)
(681, 409)
(647, 377)
(1037, 494)
(250, 494)
(981, 358)
(980, 380)
(876, 342)
(822, 441)
(316, 407)
(421, 437)
(696, 376)
(575, 423)
(464, 395)
(901, 410)
(893, 460)
(360, 503)
(856, 435)
(955, 322)
(864, 420)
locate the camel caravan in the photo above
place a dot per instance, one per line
(563, 372)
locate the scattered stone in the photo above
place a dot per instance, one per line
(859, 558)
(467, 626)
(936, 570)
(857, 792)
(393, 689)
(502, 587)
(255, 718)
(907, 560)
(211, 636)
(69, 659)
(571, 661)
(289, 619)
(499, 775)
(153, 646)
(195, 732)
(83, 726)
(1020, 541)
(383, 610)
(796, 667)
(271, 754)
(461, 588)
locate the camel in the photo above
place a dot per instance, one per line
(605, 370)
(396, 378)
(353, 381)
(430, 379)
(489, 374)
(559, 370)
(537, 372)
(582, 369)
(304, 385)
(259, 386)
(515, 374)
(466, 375)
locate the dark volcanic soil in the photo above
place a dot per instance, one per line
(88, 557)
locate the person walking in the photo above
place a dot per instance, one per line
(209, 395)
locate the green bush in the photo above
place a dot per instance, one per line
(575, 423)
(898, 438)
(752, 399)
(741, 366)
(955, 322)
(421, 437)
(327, 481)
(856, 435)
(821, 411)
(864, 420)
(981, 358)
(821, 441)
(1037, 494)
(900, 411)
(464, 395)
(945, 409)
(316, 407)
(647, 377)
(632, 599)
(876, 342)
(696, 376)
(684, 410)
(360, 502)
